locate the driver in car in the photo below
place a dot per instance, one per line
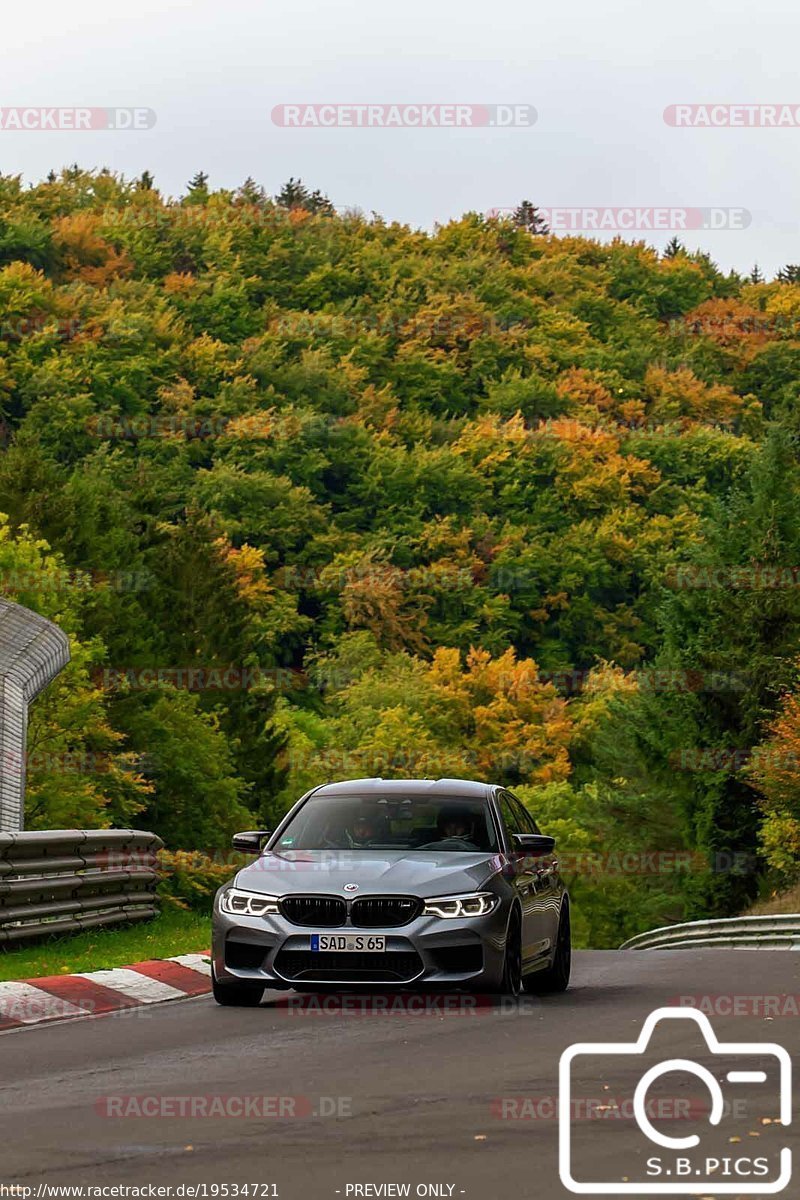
(455, 824)
(363, 830)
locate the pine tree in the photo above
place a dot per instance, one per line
(789, 274)
(526, 216)
(295, 194)
(756, 275)
(673, 248)
(198, 185)
(145, 182)
(250, 192)
(320, 204)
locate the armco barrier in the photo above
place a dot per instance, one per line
(67, 880)
(32, 652)
(779, 932)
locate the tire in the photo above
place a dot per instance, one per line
(236, 995)
(511, 983)
(555, 978)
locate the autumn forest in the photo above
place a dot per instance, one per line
(318, 496)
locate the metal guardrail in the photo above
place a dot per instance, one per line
(778, 932)
(68, 880)
(32, 652)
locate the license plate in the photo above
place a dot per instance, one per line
(348, 943)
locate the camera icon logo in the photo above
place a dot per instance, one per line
(758, 1075)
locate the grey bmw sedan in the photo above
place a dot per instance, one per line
(398, 883)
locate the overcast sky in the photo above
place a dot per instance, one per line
(599, 75)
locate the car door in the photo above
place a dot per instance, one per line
(535, 928)
(547, 885)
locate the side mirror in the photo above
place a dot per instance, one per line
(250, 842)
(535, 843)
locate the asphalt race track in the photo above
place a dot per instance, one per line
(415, 1099)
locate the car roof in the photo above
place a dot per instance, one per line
(406, 787)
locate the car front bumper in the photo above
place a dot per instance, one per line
(271, 951)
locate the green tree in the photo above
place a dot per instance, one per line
(80, 771)
(527, 216)
(295, 194)
(674, 247)
(730, 635)
(197, 800)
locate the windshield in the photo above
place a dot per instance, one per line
(391, 823)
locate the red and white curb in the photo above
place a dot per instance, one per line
(59, 997)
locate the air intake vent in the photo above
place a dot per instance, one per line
(244, 956)
(331, 967)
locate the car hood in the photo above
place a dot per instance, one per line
(377, 872)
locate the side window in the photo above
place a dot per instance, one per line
(509, 816)
(524, 819)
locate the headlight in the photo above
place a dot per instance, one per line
(247, 904)
(474, 904)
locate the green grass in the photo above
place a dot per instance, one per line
(786, 902)
(172, 932)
